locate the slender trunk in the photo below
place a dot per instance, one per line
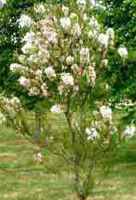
(76, 160)
(76, 155)
(37, 133)
(82, 198)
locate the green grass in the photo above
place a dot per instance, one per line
(21, 178)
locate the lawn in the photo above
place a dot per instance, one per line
(21, 178)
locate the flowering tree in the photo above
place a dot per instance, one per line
(64, 62)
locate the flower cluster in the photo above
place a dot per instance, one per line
(2, 3)
(10, 106)
(106, 112)
(61, 51)
(101, 125)
(123, 52)
(129, 131)
(24, 21)
(39, 8)
(38, 157)
(92, 133)
(2, 118)
(65, 53)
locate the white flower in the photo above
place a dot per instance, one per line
(81, 2)
(25, 82)
(2, 3)
(67, 79)
(29, 37)
(39, 8)
(100, 6)
(24, 21)
(69, 60)
(2, 118)
(61, 89)
(51, 36)
(84, 55)
(44, 90)
(85, 17)
(65, 10)
(92, 133)
(105, 62)
(94, 24)
(129, 131)
(15, 101)
(38, 157)
(56, 109)
(106, 112)
(103, 39)
(76, 30)
(33, 59)
(74, 17)
(65, 23)
(50, 72)
(27, 48)
(92, 75)
(14, 67)
(92, 34)
(34, 91)
(93, 2)
(75, 68)
(123, 52)
(111, 34)
(38, 73)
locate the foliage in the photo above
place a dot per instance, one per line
(120, 15)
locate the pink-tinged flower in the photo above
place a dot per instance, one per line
(25, 82)
(51, 36)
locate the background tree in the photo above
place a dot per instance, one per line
(120, 15)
